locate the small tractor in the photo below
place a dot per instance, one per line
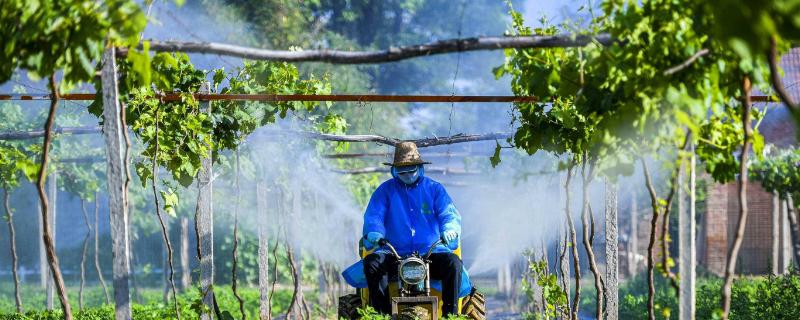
(410, 291)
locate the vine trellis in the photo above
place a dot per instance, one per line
(125, 85)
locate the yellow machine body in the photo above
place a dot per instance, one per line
(393, 290)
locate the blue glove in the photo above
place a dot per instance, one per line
(450, 236)
(373, 238)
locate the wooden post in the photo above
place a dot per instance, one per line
(52, 187)
(117, 191)
(612, 253)
(186, 269)
(263, 252)
(686, 240)
(633, 238)
(205, 222)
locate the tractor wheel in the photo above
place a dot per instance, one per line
(474, 306)
(414, 313)
(348, 306)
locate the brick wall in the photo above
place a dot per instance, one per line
(719, 223)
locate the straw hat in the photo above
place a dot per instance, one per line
(406, 154)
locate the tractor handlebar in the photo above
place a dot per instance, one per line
(385, 243)
(430, 250)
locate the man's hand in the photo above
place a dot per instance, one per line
(373, 238)
(450, 236)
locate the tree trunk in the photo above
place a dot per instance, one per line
(118, 176)
(563, 264)
(688, 247)
(204, 224)
(83, 253)
(164, 229)
(651, 288)
(297, 306)
(612, 254)
(53, 197)
(14, 260)
(587, 241)
(546, 272)
(733, 254)
(274, 276)
(186, 270)
(236, 240)
(263, 252)
(573, 243)
(49, 243)
(97, 248)
(381, 56)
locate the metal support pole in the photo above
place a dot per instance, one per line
(686, 240)
(205, 222)
(117, 192)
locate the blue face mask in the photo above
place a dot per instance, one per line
(407, 174)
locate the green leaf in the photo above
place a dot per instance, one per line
(495, 158)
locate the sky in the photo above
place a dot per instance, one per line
(555, 10)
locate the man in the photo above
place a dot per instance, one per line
(412, 212)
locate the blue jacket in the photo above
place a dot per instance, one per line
(412, 217)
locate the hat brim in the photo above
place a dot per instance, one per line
(406, 163)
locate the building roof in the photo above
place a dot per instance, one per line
(777, 127)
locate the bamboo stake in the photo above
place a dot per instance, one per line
(97, 247)
(83, 253)
(14, 259)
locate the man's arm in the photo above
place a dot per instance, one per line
(376, 212)
(446, 212)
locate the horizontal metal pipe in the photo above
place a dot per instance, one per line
(296, 97)
(320, 97)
